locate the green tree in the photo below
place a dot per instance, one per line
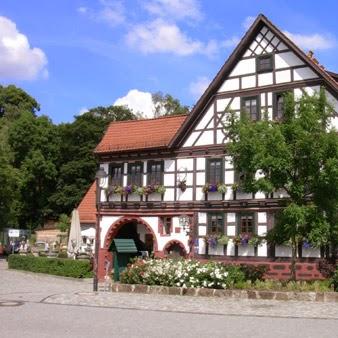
(63, 223)
(326, 191)
(78, 164)
(112, 113)
(167, 105)
(9, 181)
(289, 155)
(35, 145)
(14, 101)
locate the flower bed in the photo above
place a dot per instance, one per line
(182, 273)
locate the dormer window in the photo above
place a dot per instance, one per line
(264, 63)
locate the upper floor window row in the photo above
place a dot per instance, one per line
(251, 106)
(135, 173)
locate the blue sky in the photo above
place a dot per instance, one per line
(72, 55)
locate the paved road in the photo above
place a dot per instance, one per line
(34, 305)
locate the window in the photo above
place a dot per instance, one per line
(115, 171)
(264, 63)
(279, 105)
(155, 172)
(166, 225)
(246, 224)
(135, 173)
(215, 169)
(239, 180)
(215, 224)
(251, 107)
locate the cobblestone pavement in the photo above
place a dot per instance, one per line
(23, 286)
(27, 299)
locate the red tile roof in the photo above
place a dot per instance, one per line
(87, 208)
(140, 134)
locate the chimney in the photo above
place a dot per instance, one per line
(310, 54)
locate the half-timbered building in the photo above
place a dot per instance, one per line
(171, 184)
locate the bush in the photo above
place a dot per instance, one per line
(327, 267)
(334, 280)
(182, 273)
(62, 254)
(53, 266)
(254, 272)
(299, 286)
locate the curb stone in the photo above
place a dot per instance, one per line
(326, 297)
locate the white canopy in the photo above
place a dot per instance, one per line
(75, 238)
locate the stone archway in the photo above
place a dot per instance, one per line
(177, 246)
(117, 225)
(105, 256)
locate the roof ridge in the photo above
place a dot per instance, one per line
(151, 119)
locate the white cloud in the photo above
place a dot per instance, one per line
(159, 36)
(82, 10)
(18, 59)
(313, 41)
(231, 42)
(248, 21)
(174, 9)
(83, 110)
(198, 87)
(111, 13)
(140, 102)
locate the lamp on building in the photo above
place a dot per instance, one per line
(184, 221)
(99, 179)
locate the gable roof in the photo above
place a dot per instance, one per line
(228, 66)
(87, 206)
(140, 134)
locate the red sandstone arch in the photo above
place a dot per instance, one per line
(175, 242)
(117, 225)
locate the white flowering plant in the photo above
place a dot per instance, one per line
(182, 273)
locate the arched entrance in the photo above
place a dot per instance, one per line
(132, 227)
(175, 248)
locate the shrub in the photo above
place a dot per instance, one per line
(327, 267)
(62, 254)
(181, 273)
(253, 272)
(334, 280)
(53, 266)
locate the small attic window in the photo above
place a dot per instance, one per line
(264, 63)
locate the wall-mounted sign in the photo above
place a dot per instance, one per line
(13, 233)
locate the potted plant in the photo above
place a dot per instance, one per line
(306, 244)
(211, 240)
(138, 190)
(222, 188)
(113, 189)
(255, 240)
(160, 189)
(218, 187)
(242, 239)
(128, 189)
(223, 240)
